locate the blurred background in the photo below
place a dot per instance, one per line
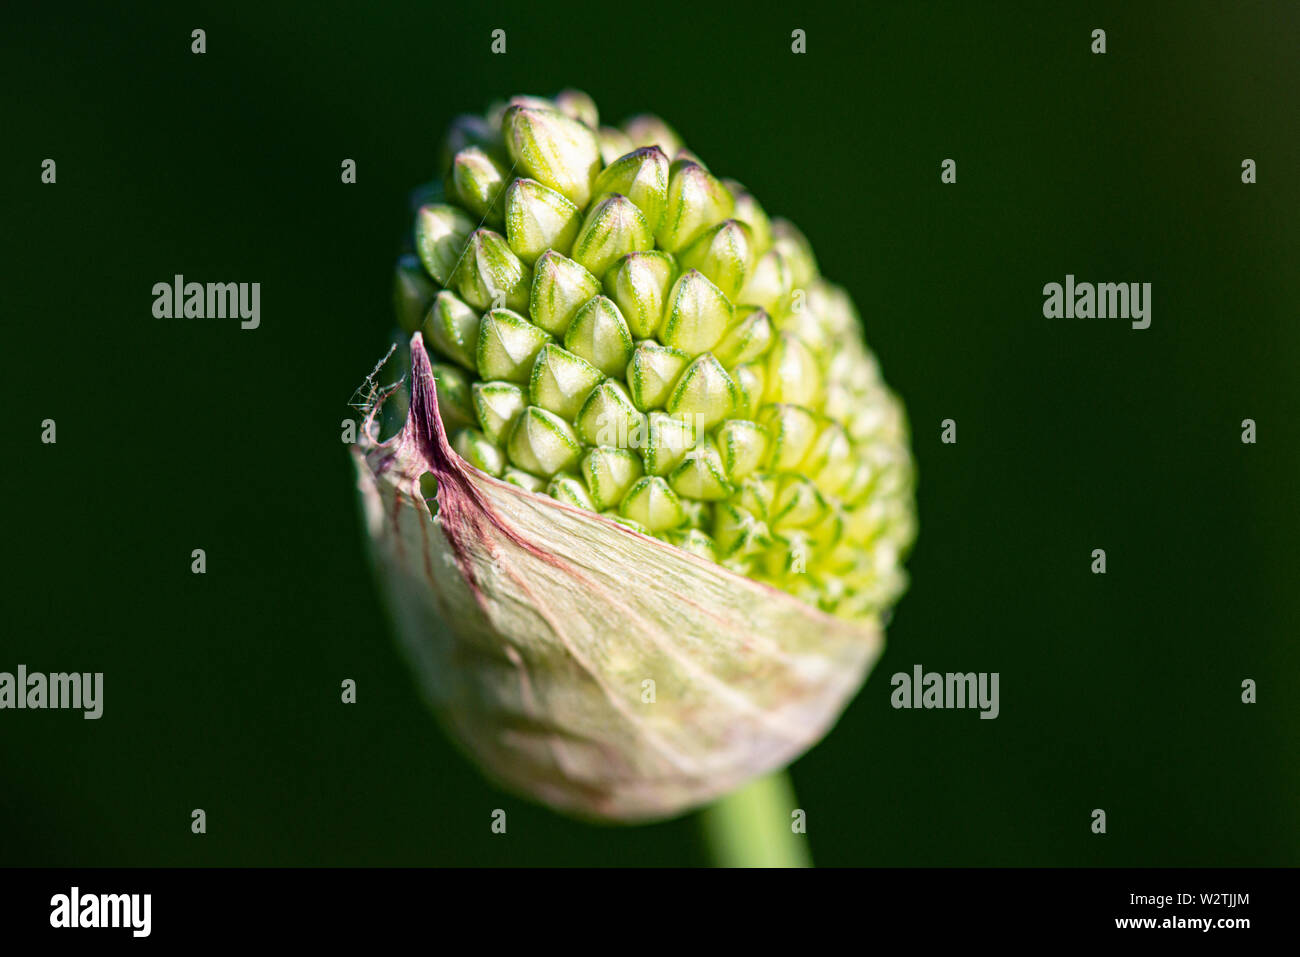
(1120, 692)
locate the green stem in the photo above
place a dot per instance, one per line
(751, 827)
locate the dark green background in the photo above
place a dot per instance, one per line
(222, 692)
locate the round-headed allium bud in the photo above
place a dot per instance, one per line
(662, 454)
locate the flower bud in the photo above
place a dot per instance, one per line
(608, 417)
(441, 233)
(797, 504)
(610, 473)
(737, 533)
(698, 315)
(791, 430)
(667, 443)
(652, 373)
(560, 288)
(792, 372)
(696, 201)
(412, 293)
(830, 460)
(452, 326)
(468, 130)
(490, 275)
(749, 212)
(641, 176)
(570, 489)
(700, 476)
(751, 379)
(613, 144)
(722, 254)
(704, 393)
(749, 337)
(553, 149)
(496, 406)
(756, 493)
(796, 249)
(561, 381)
(599, 334)
(479, 182)
(613, 228)
(742, 445)
(638, 283)
(770, 282)
(474, 447)
(647, 130)
(694, 541)
(538, 218)
(652, 505)
(454, 395)
(508, 345)
(579, 106)
(542, 443)
(523, 480)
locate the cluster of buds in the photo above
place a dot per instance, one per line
(651, 499)
(622, 330)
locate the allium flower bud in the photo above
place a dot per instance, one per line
(557, 150)
(649, 507)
